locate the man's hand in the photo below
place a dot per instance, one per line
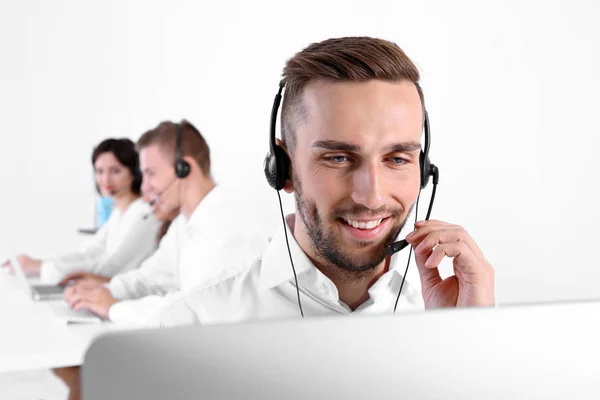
(473, 281)
(97, 300)
(86, 278)
(30, 266)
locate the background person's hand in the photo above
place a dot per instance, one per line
(73, 288)
(97, 300)
(7, 265)
(84, 278)
(30, 266)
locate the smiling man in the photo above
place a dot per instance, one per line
(352, 119)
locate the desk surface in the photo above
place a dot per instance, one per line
(31, 337)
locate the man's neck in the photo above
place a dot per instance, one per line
(193, 195)
(353, 287)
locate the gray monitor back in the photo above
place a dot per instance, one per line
(545, 351)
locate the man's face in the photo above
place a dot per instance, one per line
(159, 180)
(356, 169)
(160, 214)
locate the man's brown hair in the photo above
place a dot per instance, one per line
(192, 143)
(354, 59)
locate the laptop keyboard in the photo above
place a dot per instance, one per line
(62, 310)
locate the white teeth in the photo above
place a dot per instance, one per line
(364, 225)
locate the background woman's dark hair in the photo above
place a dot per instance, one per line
(125, 152)
(167, 223)
(162, 231)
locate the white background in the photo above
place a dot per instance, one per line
(511, 88)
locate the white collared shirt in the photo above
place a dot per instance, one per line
(121, 245)
(192, 251)
(266, 290)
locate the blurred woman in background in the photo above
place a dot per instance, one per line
(129, 235)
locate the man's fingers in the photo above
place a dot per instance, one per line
(80, 294)
(74, 276)
(454, 250)
(426, 238)
(430, 222)
(416, 236)
(75, 302)
(429, 242)
(95, 307)
(445, 236)
(83, 304)
(429, 276)
(69, 292)
(76, 298)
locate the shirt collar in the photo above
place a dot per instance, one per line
(206, 208)
(276, 268)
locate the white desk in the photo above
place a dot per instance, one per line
(31, 337)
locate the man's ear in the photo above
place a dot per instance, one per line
(289, 186)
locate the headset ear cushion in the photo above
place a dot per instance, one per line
(277, 166)
(270, 170)
(283, 167)
(182, 169)
(425, 165)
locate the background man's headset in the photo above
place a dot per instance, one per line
(182, 167)
(277, 166)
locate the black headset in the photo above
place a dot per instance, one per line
(277, 167)
(182, 167)
(277, 163)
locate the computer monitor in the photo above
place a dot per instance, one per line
(549, 351)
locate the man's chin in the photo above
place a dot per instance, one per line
(363, 251)
(361, 261)
(361, 247)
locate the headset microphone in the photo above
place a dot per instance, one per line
(400, 245)
(153, 201)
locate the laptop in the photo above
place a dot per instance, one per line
(53, 295)
(546, 351)
(38, 292)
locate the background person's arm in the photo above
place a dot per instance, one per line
(156, 275)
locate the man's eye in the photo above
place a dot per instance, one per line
(397, 160)
(337, 159)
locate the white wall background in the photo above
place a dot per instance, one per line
(511, 88)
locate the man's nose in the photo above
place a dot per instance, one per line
(367, 186)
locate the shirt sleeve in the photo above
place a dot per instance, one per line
(135, 312)
(156, 276)
(136, 245)
(84, 259)
(174, 311)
